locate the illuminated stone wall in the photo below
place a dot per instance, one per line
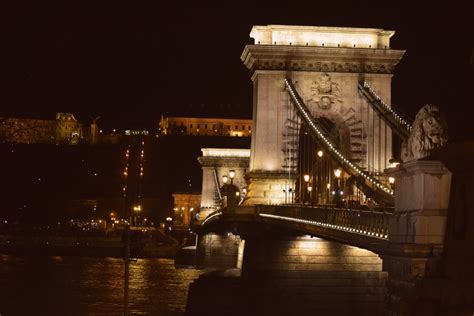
(216, 163)
(186, 205)
(325, 65)
(205, 126)
(65, 129)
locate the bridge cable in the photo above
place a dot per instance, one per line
(370, 185)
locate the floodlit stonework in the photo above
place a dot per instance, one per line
(205, 126)
(216, 163)
(321, 36)
(327, 77)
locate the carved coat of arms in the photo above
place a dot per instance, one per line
(325, 92)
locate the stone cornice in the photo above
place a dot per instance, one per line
(240, 162)
(320, 59)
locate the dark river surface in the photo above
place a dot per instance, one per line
(91, 286)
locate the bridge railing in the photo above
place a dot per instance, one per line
(368, 223)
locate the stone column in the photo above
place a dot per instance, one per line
(416, 237)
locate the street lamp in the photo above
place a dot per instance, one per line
(306, 180)
(391, 180)
(231, 174)
(225, 179)
(137, 208)
(338, 193)
(320, 153)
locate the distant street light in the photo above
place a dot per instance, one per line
(306, 178)
(320, 153)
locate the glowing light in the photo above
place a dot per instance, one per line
(232, 174)
(337, 173)
(225, 179)
(320, 153)
(306, 178)
(391, 180)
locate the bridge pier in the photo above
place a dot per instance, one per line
(417, 229)
(219, 251)
(307, 274)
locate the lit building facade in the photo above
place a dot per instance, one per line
(64, 130)
(186, 206)
(205, 126)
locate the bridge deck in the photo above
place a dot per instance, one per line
(361, 228)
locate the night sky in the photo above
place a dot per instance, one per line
(131, 62)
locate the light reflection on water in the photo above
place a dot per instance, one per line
(85, 285)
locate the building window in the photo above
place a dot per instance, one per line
(205, 126)
(243, 127)
(236, 127)
(190, 125)
(213, 126)
(199, 126)
(248, 127)
(228, 127)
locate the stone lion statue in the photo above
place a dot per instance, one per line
(429, 132)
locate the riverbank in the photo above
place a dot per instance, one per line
(143, 246)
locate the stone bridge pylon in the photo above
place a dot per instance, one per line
(326, 64)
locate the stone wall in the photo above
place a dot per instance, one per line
(218, 251)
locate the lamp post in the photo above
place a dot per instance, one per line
(391, 180)
(338, 192)
(137, 209)
(306, 180)
(231, 176)
(231, 192)
(310, 188)
(319, 185)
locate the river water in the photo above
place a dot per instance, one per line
(91, 286)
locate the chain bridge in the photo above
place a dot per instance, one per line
(324, 192)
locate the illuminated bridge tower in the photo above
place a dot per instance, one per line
(325, 64)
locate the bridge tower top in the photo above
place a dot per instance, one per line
(321, 36)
